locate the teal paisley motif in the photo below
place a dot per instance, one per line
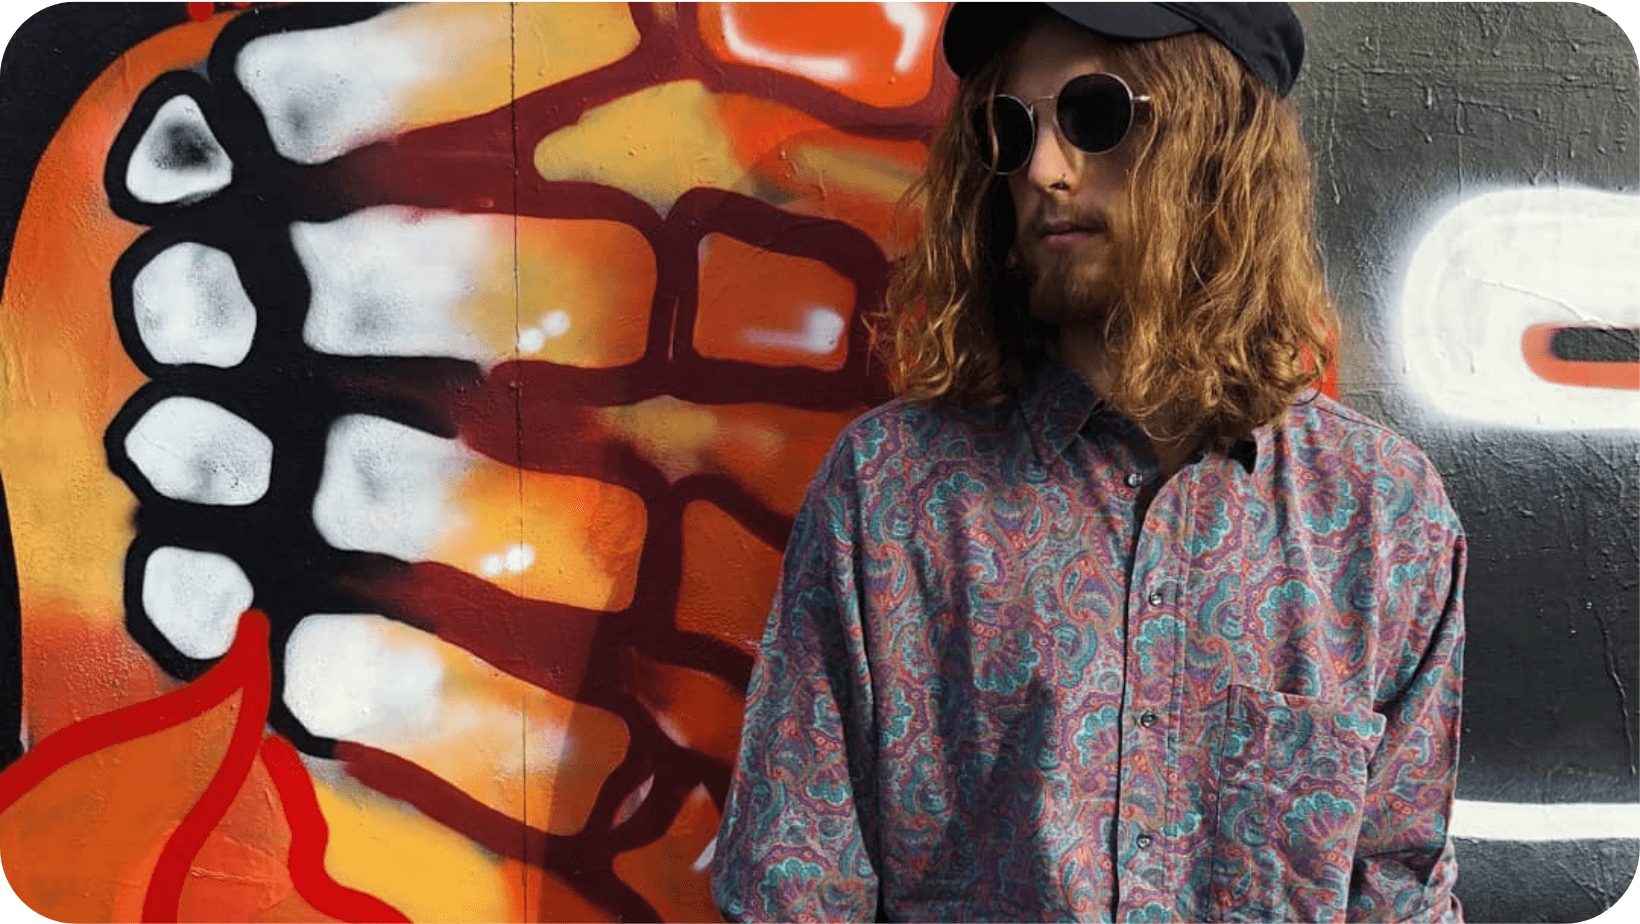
(789, 876)
(1398, 499)
(831, 792)
(1213, 527)
(899, 717)
(870, 435)
(1317, 822)
(1149, 913)
(1365, 725)
(1075, 648)
(1287, 595)
(1006, 671)
(1324, 519)
(1155, 642)
(1087, 737)
(948, 496)
(1220, 610)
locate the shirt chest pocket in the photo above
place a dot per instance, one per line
(1292, 785)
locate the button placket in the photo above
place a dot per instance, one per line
(1146, 742)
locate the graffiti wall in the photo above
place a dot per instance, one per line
(479, 355)
(403, 408)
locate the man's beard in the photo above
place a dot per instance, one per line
(1066, 291)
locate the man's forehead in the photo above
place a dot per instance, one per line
(1051, 51)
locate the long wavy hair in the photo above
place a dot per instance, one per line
(1222, 316)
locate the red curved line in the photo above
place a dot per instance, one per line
(251, 671)
(140, 719)
(308, 837)
(1536, 345)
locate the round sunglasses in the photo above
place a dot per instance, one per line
(1093, 111)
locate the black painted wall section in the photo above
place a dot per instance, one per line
(1409, 108)
(11, 645)
(1560, 881)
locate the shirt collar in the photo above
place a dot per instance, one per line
(1057, 403)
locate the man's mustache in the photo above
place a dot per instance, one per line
(1088, 222)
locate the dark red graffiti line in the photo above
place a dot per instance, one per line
(176, 858)
(544, 643)
(308, 837)
(671, 770)
(564, 856)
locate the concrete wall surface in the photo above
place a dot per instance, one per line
(403, 410)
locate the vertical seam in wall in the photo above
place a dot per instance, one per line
(518, 435)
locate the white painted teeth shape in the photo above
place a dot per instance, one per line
(194, 598)
(192, 450)
(386, 487)
(178, 159)
(191, 307)
(390, 281)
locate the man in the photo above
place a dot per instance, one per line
(1112, 616)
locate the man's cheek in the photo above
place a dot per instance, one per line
(486, 349)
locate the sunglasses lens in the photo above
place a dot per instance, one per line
(1095, 112)
(1006, 134)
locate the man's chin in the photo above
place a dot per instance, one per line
(1068, 301)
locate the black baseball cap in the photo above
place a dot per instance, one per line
(1266, 37)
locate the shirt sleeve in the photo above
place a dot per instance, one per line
(798, 839)
(1404, 869)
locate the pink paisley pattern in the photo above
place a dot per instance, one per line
(1009, 677)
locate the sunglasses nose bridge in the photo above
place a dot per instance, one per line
(1053, 160)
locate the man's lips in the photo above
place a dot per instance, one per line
(1062, 234)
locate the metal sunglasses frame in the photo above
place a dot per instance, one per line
(984, 115)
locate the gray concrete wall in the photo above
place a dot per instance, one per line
(1478, 166)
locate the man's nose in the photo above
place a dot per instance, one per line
(1054, 164)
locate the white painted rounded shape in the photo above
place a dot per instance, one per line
(555, 323)
(394, 281)
(385, 487)
(1498, 263)
(823, 329)
(177, 159)
(195, 599)
(190, 307)
(196, 451)
(345, 677)
(324, 92)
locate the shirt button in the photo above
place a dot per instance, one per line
(1155, 598)
(1134, 479)
(1147, 719)
(1143, 841)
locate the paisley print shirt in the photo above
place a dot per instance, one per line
(1009, 676)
